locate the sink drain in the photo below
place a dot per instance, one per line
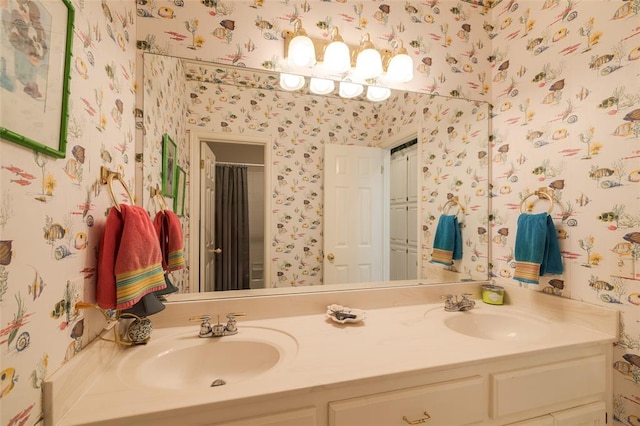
(218, 382)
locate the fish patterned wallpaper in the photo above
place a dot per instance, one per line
(53, 211)
(562, 76)
(564, 85)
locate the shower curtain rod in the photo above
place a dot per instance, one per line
(229, 163)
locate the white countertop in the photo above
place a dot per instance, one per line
(390, 341)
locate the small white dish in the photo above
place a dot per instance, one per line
(343, 314)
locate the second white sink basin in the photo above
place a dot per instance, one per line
(493, 323)
(186, 361)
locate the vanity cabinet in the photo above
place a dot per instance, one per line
(569, 388)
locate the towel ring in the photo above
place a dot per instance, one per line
(157, 195)
(541, 193)
(106, 177)
(454, 201)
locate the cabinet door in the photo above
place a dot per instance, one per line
(543, 386)
(453, 403)
(301, 417)
(586, 415)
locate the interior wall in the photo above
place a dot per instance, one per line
(564, 99)
(53, 211)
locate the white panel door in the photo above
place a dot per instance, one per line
(398, 225)
(207, 217)
(398, 179)
(353, 220)
(412, 174)
(398, 263)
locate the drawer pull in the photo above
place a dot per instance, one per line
(419, 421)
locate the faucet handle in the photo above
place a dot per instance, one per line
(232, 327)
(205, 325)
(232, 315)
(198, 318)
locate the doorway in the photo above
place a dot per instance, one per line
(250, 158)
(254, 153)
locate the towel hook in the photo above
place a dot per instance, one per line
(106, 178)
(540, 193)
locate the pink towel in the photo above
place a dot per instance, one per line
(129, 260)
(169, 231)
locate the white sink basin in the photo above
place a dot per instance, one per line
(186, 361)
(493, 323)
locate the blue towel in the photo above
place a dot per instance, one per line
(537, 251)
(447, 244)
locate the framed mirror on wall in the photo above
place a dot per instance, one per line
(451, 160)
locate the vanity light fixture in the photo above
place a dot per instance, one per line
(368, 60)
(321, 86)
(378, 94)
(400, 68)
(291, 81)
(337, 57)
(301, 52)
(350, 90)
(352, 66)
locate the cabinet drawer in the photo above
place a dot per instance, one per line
(456, 402)
(547, 385)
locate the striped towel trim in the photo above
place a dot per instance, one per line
(442, 256)
(527, 272)
(176, 260)
(132, 285)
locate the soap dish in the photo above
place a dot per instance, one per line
(343, 314)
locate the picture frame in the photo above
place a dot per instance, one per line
(181, 184)
(169, 160)
(34, 83)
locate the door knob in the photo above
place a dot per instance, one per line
(330, 256)
(216, 251)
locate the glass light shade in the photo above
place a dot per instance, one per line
(350, 90)
(321, 86)
(301, 52)
(377, 94)
(400, 68)
(368, 64)
(337, 58)
(291, 81)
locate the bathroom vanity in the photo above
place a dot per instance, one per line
(537, 360)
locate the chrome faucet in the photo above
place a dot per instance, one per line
(218, 329)
(464, 304)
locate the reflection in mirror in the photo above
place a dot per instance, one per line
(309, 141)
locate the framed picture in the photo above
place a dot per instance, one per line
(35, 57)
(178, 200)
(169, 156)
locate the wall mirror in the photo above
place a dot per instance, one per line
(431, 157)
